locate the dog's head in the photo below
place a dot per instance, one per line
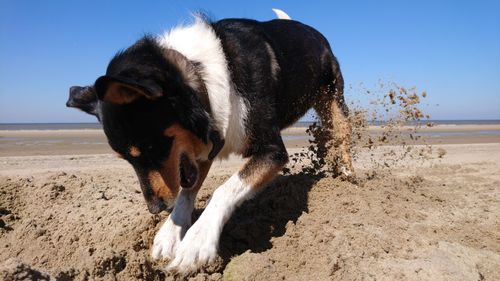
(155, 113)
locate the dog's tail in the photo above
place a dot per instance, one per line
(281, 15)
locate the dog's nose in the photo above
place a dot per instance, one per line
(156, 205)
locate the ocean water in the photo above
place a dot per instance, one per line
(79, 126)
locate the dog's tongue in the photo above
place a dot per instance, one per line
(188, 172)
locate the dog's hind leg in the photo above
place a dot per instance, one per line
(336, 130)
(200, 244)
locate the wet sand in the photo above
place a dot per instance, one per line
(93, 141)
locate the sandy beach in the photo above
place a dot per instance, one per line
(93, 141)
(71, 210)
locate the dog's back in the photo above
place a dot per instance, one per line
(290, 61)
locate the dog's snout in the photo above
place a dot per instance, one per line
(157, 195)
(156, 205)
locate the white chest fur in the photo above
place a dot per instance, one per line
(198, 42)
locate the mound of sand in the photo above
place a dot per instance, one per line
(439, 222)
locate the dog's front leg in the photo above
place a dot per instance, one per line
(171, 232)
(199, 245)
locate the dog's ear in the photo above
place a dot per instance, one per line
(85, 99)
(120, 90)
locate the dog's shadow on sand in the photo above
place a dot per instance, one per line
(258, 220)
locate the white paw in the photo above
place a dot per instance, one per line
(196, 249)
(167, 239)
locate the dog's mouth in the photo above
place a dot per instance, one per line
(188, 172)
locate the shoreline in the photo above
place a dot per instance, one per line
(293, 129)
(93, 141)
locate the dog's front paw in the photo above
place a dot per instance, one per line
(197, 248)
(166, 240)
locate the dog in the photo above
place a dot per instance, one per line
(173, 103)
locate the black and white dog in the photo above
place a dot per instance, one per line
(171, 104)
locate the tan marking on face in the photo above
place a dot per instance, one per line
(134, 151)
(184, 142)
(160, 188)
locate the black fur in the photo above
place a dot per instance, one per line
(168, 100)
(144, 65)
(304, 65)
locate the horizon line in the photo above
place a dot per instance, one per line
(303, 121)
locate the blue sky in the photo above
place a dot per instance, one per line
(451, 49)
